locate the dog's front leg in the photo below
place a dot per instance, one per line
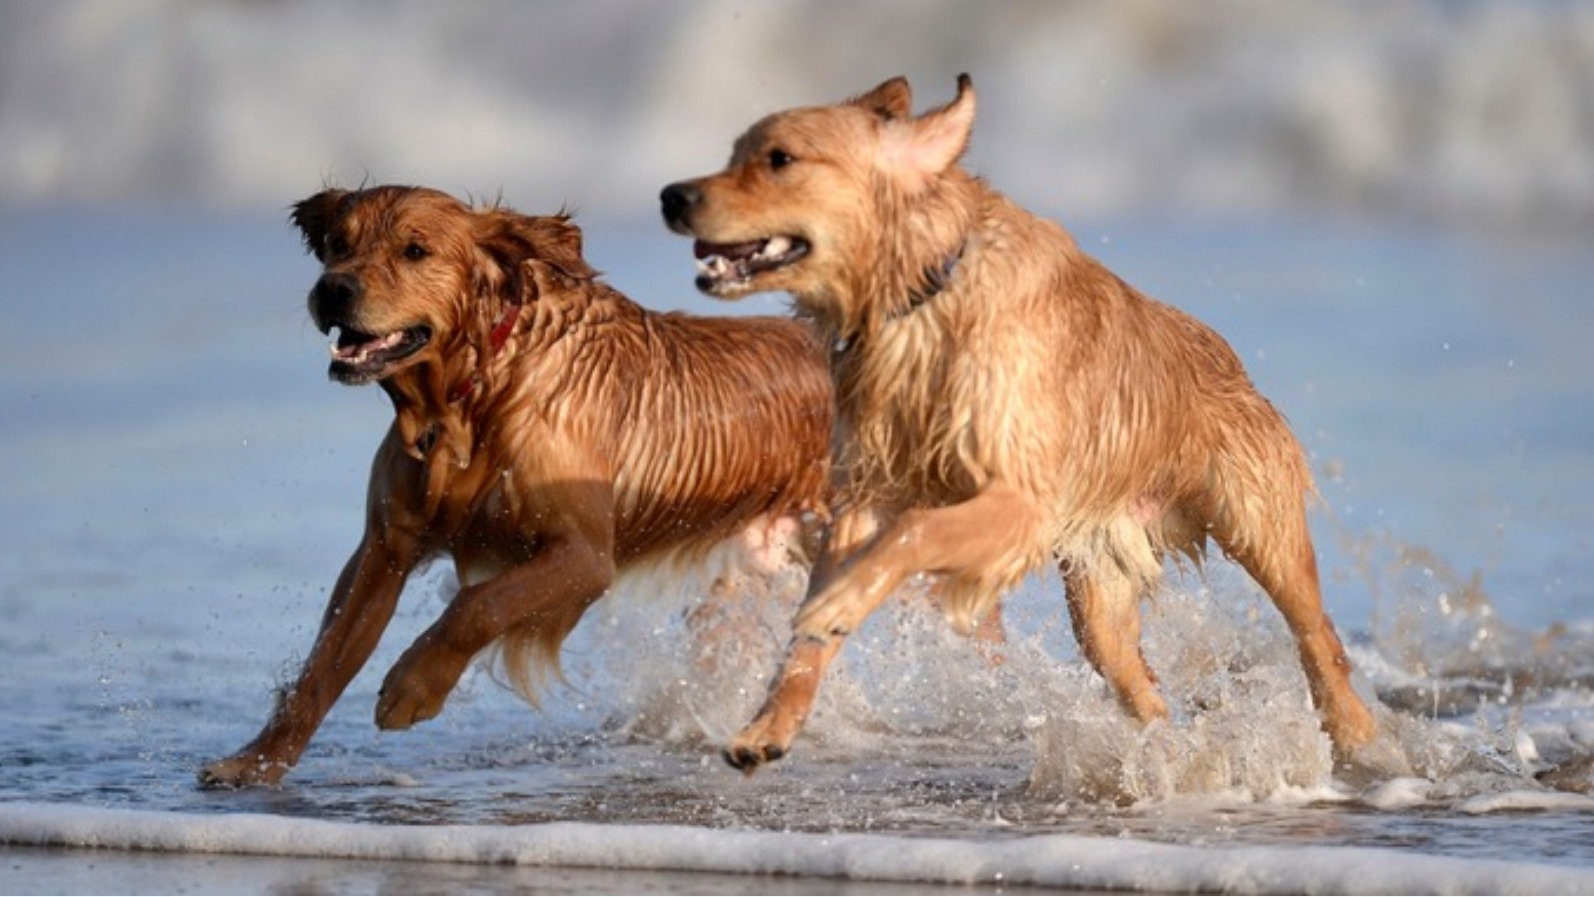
(358, 611)
(988, 536)
(570, 570)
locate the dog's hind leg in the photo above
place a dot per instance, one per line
(1104, 606)
(1288, 572)
(993, 536)
(1271, 540)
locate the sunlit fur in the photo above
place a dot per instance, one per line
(1037, 396)
(597, 438)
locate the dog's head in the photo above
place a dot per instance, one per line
(810, 192)
(412, 275)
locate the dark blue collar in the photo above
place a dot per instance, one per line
(934, 280)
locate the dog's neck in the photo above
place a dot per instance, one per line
(426, 419)
(429, 399)
(495, 344)
(922, 243)
(933, 281)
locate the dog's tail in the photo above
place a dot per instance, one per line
(526, 658)
(711, 574)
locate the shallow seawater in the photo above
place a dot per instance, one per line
(181, 484)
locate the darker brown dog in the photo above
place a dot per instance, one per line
(549, 434)
(1004, 402)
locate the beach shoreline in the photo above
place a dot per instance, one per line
(66, 870)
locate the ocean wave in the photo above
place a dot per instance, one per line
(1048, 861)
(1458, 112)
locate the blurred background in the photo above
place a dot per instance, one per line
(1477, 114)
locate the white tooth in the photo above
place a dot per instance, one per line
(713, 265)
(775, 246)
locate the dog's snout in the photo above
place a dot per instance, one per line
(332, 300)
(677, 201)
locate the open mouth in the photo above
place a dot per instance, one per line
(721, 266)
(359, 357)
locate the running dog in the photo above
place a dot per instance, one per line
(549, 435)
(1003, 402)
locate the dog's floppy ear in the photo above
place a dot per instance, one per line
(315, 216)
(918, 150)
(532, 254)
(892, 99)
(557, 241)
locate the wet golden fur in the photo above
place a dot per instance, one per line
(549, 435)
(1004, 402)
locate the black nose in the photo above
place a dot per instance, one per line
(332, 300)
(677, 201)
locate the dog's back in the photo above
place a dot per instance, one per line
(704, 422)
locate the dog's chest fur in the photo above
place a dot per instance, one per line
(921, 415)
(937, 401)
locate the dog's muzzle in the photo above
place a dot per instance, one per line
(332, 300)
(358, 355)
(677, 202)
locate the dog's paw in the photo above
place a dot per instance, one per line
(748, 757)
(242, 771)
(761, 742)
(1379, 760)
(414, 691)
(404, 703)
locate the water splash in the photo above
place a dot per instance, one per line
(1242, 726)
(670, 662)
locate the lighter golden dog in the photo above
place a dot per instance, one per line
(1003, 402)
(549, 434)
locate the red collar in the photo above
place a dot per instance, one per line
(495, 342)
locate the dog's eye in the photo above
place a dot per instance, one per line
(415, 252)
(336, 244)
(779, 158)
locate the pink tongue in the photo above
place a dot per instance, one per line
(358, 350)
(703, 250)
